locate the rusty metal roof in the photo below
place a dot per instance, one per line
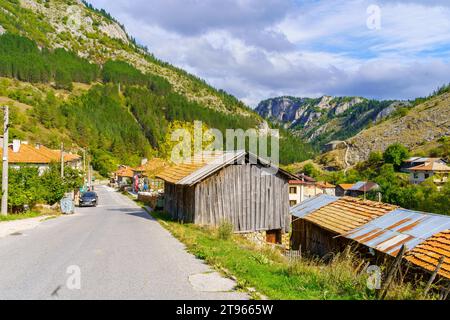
(389, 232)
(346, 214)
(428, 253)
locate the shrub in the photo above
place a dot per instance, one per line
(225, 230)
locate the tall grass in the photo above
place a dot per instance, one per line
(225, 230)
(342, 277)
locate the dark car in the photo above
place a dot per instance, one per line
(89, 199)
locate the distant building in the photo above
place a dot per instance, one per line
(333, 145)
(439, 170)
(419, 161)
(301, 190)
(147, 172)
(22, 154)
(124, 175)
(358, 189)
(343, 189)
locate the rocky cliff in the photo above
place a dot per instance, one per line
(327, 118)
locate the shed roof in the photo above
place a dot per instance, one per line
(347, 213)
(428, 253)
(364, 186)
(401, 226)
(310, 205)
(346, 186)
(201, 167)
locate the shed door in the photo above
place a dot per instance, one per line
(273, 236)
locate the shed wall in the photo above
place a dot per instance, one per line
(314, 239)
(245, 195)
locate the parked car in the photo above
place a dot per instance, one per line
(89, 199)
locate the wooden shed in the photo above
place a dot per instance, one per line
(320, 224)
(237, 187)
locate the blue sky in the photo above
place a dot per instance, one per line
(256, 49)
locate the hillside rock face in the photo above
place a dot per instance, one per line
(326, 118)
(424, 123)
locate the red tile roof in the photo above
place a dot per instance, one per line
(33, 155)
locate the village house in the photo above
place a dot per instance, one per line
(419, 161)
(148, 170)
(306, 187)
(123, 176)
(439, 170)
(326, 224)
(235, 187)
(23, 154)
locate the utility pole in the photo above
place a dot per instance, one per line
(62, 159)
(4, 209)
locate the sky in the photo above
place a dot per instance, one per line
(258, 49)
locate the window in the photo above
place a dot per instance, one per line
(293, 190)
(416, 176)
(427, 175)
(292, 203)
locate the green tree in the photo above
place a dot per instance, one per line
(24, 188)
(395, 154)
(53, 187)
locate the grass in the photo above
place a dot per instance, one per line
(14, 217)
(271, 274)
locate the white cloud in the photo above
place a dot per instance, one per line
(257, 49)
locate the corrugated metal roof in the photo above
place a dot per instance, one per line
(432, 166)
(357, 185)
(364, 186)
(428, 253)
(389, 232)
(346, 214)
(310, 205)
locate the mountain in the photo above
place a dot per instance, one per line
(71, 73)
(420, 128)
(327, 118)
(421, 125)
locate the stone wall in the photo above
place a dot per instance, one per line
(259, 238)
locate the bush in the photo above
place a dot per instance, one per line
(225, 230)
(27, 187)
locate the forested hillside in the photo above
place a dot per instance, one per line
(97, 89)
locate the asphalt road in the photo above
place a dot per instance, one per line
(114, 251)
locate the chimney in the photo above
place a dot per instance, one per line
(38, 146)
(144, 161)
(16, 145)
